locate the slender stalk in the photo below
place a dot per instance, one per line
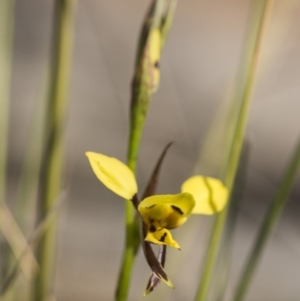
(27, 190)
(235, 152)
(6, 41)
(140, 99)
(23, 248)
(6, 51)
(51, 177)
(225, 258)
(130, 243)
(25, 199)
(268, 225)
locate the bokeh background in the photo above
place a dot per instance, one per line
(198, 65)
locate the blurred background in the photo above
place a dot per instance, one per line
(198, 66)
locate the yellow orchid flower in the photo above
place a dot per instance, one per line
(158, 212)
(210, 194)
(162, 212)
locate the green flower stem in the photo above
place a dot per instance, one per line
(25, 200)
(268, 225)
(130, 223)
(26, 197)
(141, 96)
(6, 42)
(6, 51)
(225, 259)
(235, 152)
(51, 177)
(138, 118)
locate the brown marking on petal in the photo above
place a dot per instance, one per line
(152, 228)
(177, 209)
(163, 237)
(156, 64)
(150, 206)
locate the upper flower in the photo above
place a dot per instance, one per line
(159, 212)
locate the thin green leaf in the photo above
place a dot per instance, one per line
(25, 259)
(268, 225)
(224, 261)
(52, 166)
(6, 42)
(16, 240)
(7, 14)
(245, 92)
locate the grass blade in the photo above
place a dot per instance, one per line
(26, 196)
(268, 224)
(53, 158)
(16, 240)
(25, 260)
(246, 93)
(6, 53)
(6, 41)
(224, 260)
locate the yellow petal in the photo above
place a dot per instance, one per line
(114, 174)
(166, 211)
(210, 194)
(162, 237)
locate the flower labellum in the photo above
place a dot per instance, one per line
(162, 212)
(162, 237)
